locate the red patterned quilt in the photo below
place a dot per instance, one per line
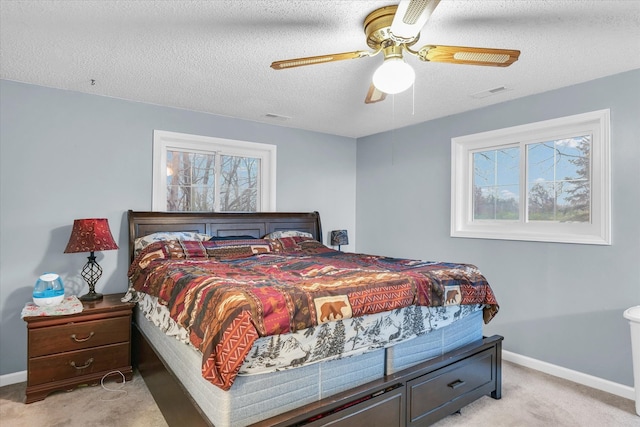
(227, 296)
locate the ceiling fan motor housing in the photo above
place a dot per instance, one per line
(377, 27)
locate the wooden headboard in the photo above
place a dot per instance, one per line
(255, 224)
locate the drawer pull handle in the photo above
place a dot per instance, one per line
(457, 383)
(73, 337)
(86, 365)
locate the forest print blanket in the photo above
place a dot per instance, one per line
(227, 296)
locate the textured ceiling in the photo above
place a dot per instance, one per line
(214, 56)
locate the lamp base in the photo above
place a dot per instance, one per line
(91, 272)
(90, 296)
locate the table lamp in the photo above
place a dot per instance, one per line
(339, 237)
(91, 235)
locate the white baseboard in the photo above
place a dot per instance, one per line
(16, 377)
(568, 374)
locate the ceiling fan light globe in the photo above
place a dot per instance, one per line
(394, 76)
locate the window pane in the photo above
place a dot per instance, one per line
(558, 180)
(190, 181)
(541, 162)
(575, 203)
(239, 183)
(496, 180)
(202, 198)
(542, 204)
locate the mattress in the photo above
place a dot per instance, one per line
(228, 297)
(356, 336)
(253, 398)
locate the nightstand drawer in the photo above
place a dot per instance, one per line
(433, 392)
(76, 336)
(62, 366)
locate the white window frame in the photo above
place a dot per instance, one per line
(596, 232)
(164, 141)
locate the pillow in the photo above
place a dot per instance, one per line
(185, 249)
(257, 246)
(287, 233)
(229, 252)
(144, 241)
(168, 249)
(291, 244)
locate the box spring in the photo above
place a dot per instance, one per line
(256, 397)
(435, 343)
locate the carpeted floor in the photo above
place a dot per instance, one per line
(529, 398)
(83, 407)
(532, 398)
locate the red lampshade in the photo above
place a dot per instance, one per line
(90, 235)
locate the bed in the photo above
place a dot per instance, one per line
(395, 375)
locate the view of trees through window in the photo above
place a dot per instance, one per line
(496, 182)
(558, 186)
(211, 182)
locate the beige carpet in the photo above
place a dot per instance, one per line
(83, 407)
(529, 398)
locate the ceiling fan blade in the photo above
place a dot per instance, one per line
(374, 95)
(311, 60)
(409, 19)
(469, 55)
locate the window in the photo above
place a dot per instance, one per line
(198, 173)
(545, 181)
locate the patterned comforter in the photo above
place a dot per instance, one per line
(226, 298)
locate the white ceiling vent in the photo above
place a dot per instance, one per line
(489, 92)
(277, 117)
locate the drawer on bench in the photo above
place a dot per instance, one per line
(448, 389)
(384, 410)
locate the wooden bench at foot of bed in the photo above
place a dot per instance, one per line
(417, 396)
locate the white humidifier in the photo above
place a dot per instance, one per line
(49, 290)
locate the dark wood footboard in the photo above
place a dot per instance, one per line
(417, 396)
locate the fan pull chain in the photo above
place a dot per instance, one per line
(413, 100)
(393, 129)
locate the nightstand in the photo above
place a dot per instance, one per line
(71, 350)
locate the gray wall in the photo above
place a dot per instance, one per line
(66, 155)
(560, 303)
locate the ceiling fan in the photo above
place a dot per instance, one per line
(393, 30)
